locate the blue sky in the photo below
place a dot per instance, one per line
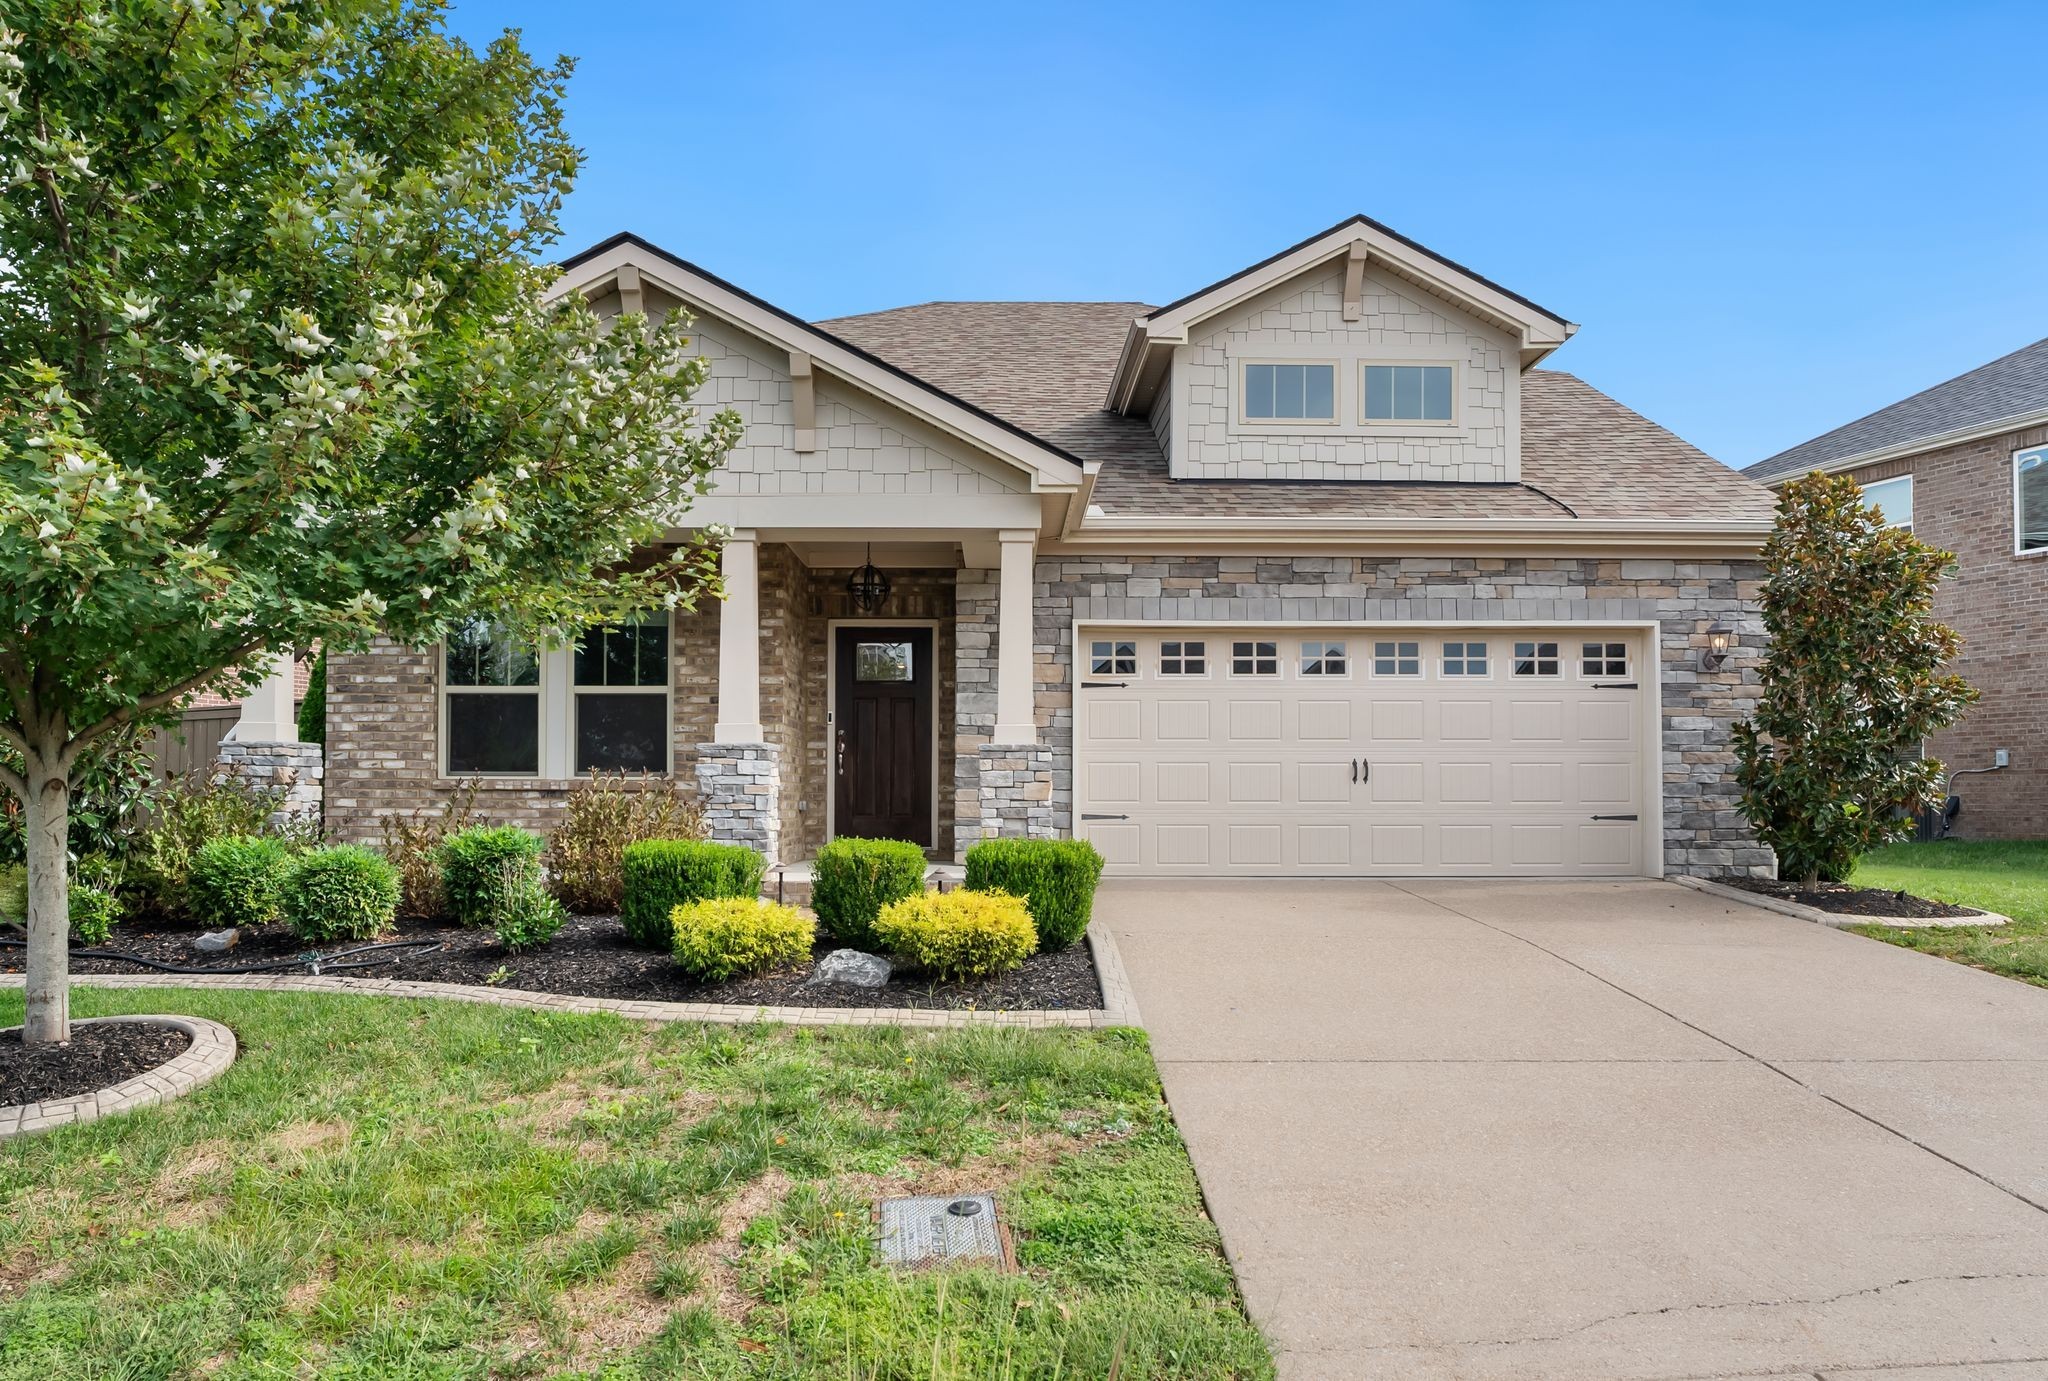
(1767, 219)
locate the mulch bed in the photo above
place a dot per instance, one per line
(592, 958)
(1843, 900)
(97, 1057)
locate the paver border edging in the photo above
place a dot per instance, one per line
(212, 1050)
(1119, 1006)
(1834, 920)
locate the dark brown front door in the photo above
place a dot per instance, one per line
(882, 734)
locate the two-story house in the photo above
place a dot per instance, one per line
(1313, 571)
(1965, 465)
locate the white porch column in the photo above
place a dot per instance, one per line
(1015, 721)
(739, 642)
(267, 712)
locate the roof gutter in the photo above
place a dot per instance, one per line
(1408, 536)
(2019, 421)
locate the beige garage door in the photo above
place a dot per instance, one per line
(1388, 752)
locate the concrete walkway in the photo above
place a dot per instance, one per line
(1601, 1130)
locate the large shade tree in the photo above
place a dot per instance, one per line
(1830, 765)
(277, 364)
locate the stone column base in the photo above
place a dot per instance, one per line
(1016, 791)
(298, 769)
(740, 787)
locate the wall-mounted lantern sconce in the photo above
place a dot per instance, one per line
(1719, 635)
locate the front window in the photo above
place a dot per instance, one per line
(1255, 659)
(2030, 500)
(1893, 500)
(622, 716)
(1290, 392)
(1536, 659)
(1408, 392)
(492, 680)
(1397, 659)
(1113, 659)
(1464, 659)
(1184, 658)
(1324, 659)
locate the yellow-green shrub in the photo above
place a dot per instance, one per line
(958, 934)
(722, 936)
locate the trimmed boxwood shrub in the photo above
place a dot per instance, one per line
(340, 893)
(662, 874)
(854, 879)
(482, 868)
(958, 935)
(1055, 877)
(723, 936)
(234, 880)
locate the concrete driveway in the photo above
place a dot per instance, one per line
(1558, 1130)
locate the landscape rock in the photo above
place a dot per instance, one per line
(850, 968)
(217, 941)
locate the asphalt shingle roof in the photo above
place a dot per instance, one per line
(2009, 386)
(1045, 367)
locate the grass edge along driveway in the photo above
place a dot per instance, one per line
(2010, 877)
(409, 1189)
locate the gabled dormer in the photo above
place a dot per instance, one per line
(1355, 355)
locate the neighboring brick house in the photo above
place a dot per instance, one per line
(1310, 572)
(1965, 464)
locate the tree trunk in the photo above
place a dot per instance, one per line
(48, 816)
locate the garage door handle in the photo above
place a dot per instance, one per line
(1617, 817)
(1614, 685)
(1104, 685)
(1361, 769)
(1354, 771)
(1086, 816)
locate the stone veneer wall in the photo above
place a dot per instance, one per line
(298, 769)
(1704, 833)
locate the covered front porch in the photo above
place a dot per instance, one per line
(897, 707)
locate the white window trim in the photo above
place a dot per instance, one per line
(1422, 660)
(1208, 660)
(1279, 671)
(1301, 670)
(1537, 656)
(1907, 480)
(667, 691)
(2018, 527)
(1239, 364)
(539, 691)
(1628, 663)
(1137, 658)
(557, 691)
(1460, 678)
(1424, 426)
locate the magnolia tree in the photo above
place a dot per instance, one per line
(279, 366)
(1830, 766)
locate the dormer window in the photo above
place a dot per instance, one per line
(1408, 392)
(1289, 393)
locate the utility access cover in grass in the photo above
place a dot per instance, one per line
(941, 1230)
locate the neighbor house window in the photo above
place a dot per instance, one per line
(1464, 659)
(1324, 659)
(1290, 392)
(1255, 659)
(1113, 659)
(622, 715)
(492, 684)
(2030, 500)
(1535, 659)
(1397, 659)
(1603, 659)
(1408, 392)
(1893, 500)
(1184, 659)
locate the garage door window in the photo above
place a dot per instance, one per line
(1465, 659)
(1255, 659)
(1535, 659)
(1184, 659)
(1603, 659)
(1324, 659)
(1113, 659)
(1397, 659)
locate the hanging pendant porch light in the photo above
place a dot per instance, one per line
(868, 586)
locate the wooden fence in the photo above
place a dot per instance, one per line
(195, 742)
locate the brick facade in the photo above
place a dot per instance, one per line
(1998, 601)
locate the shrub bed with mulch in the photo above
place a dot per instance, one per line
(97, 1057)
(593, 957)
(1842, 899)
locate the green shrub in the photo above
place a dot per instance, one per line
(482, 868)
(14, 894)
(340, 893)
(529, 917)
(605, 814)
(1055, 877)
(958, 935)
(93, 913)
(234, 880)
(313, 709)
(854, 879)
(186, 816)
(662, 874)
(723, 936)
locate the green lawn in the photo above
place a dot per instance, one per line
(2011, 878)
(424, 1190)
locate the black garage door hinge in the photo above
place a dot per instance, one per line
(1614, 685)
(1104, 685)
(1617, 817)
(1086, 816)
